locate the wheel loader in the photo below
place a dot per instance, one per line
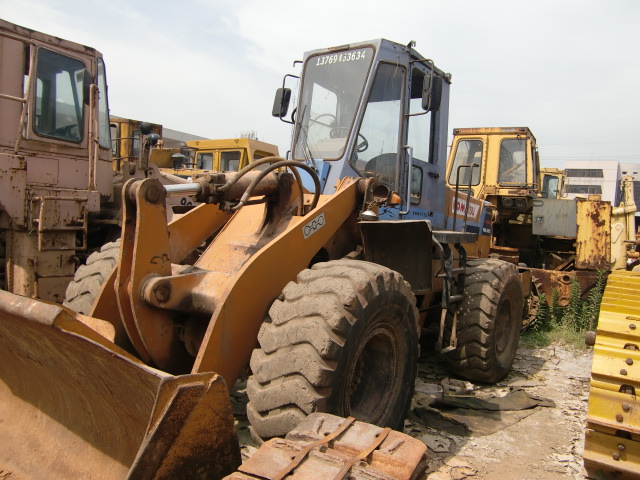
(222, 155)
(59, 194)
(60, 179)
(322, 295)
(560, 240)
(186, 158)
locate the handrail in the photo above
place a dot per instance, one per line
(410, 149)
(455, 198)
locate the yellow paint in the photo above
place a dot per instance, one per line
(616, 370)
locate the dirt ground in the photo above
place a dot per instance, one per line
(543, 442)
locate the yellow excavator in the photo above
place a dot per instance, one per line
(324, 292)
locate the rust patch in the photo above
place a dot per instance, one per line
(327, 448)
(548, 280)
(593, 238)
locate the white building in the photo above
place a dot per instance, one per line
(590, 177)
(633, 169)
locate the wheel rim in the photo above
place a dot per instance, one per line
(372, 378)
(503, 326)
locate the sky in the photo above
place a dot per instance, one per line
(567, 69)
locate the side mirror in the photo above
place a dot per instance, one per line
(281, 102)
(87, 81)
(432, 94)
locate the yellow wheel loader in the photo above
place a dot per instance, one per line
(324, 292)
(221, 155)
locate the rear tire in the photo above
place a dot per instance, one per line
(86, 284)
(342, 340)
(489, 321)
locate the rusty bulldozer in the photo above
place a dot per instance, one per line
(560, 240)
(324, 293)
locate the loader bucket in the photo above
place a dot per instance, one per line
(74, 405)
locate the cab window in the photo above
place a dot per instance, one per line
(550, 186)
(204, 161)
(59, 111)
(420, 122)
(230, 160)
(512, 167)
(103, 108)
(468, 152)
(416, 185)
(376, 150)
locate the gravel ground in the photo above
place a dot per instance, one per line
(542, 443)
(539, 443)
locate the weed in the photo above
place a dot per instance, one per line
(566, 324)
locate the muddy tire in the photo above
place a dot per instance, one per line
(88, 280)
(489, 321)
(343, 339)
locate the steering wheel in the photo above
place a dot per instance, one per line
(330, 115)
(382, 166)
(363, 145)
(337, 132)
(65, 131)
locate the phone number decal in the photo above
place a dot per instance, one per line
(341, 57)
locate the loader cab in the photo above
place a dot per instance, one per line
(54, 112)
(375, 109)
(228, 155)
(55, 141)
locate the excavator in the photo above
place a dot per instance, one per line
(320, 295)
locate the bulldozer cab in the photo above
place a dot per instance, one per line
(500, 165)
(375, 109)
(553, 181)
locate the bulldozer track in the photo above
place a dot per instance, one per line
(612, 444)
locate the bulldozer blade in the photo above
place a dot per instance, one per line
(75, 405)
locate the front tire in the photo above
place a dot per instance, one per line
(88, 279)
(343, 339)
(489, 321)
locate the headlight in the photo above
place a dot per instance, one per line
(508, 202)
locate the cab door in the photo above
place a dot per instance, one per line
(422, 172)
